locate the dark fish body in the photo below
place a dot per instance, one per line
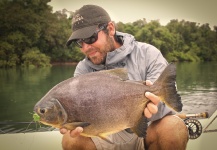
(104, 102)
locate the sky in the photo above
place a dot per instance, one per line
(199, 11)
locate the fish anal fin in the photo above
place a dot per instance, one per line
(73, 125)
(141, 127)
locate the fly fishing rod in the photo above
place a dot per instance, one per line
(198, 115)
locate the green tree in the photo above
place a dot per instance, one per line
(29, 29)
(20, 26)
(33, 57)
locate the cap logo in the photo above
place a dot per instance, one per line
(77, 18)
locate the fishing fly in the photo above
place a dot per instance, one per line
(36, 119)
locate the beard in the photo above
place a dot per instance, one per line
(100, 57)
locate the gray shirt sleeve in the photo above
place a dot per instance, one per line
(81, 68)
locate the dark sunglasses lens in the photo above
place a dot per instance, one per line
(91, 39)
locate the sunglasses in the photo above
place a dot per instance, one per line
(91, 39)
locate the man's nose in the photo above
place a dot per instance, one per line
(85, 47)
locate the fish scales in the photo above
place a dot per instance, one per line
(100, 103)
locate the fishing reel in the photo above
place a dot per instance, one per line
(194, 126)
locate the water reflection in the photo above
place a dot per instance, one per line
(193, 76)
(21, 88)
(197, 85)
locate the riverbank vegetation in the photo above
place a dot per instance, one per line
(31, 34)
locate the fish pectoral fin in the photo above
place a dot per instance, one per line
(105, 139)
(73, 125)
(141, 127)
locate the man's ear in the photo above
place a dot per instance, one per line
(111, 28)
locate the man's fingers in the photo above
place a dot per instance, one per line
(152, 108)
(63, 131)
(148, 82)
(73, 133)
(76, 132)
(147, 113)
(154, 99)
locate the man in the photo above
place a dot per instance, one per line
(95, 34)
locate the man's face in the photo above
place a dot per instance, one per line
(97, 51)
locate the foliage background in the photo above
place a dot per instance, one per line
(31, 35)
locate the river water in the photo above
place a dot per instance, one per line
(21, 88)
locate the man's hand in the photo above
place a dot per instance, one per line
(152, 105)
(73, 133)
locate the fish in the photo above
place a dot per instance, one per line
(105, 102)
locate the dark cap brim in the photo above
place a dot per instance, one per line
(82, 33)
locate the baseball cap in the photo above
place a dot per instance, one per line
(86, 20)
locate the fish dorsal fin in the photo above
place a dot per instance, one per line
(73, 125)
(121, 73)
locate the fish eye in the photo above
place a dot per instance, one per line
(42, 110)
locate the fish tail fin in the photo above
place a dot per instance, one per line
(167, 91)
